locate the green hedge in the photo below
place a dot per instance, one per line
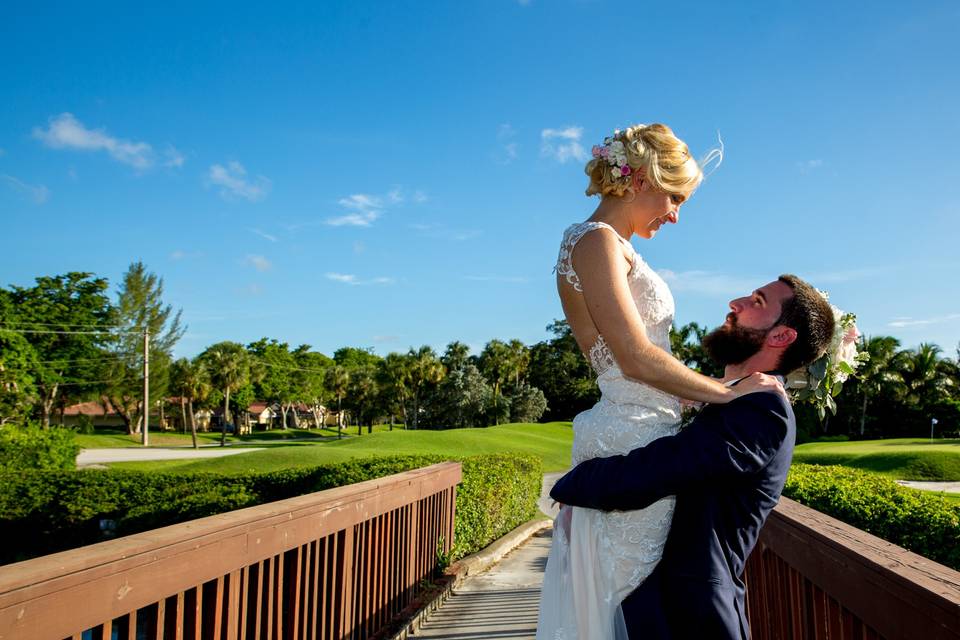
(44, 512)
(31, 447)
(922, 522)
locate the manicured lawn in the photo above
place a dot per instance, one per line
(550, 441)
(900, 458)
(109, 438)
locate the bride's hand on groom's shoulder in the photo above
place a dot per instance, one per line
(759, 382)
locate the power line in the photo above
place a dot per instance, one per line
(67, 333)
(61, 324)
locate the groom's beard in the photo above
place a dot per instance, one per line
(733, 344)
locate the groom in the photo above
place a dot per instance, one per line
(726, 468)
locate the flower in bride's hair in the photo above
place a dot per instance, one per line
(615, 172)
(595, 151)
(625, 170)
(604, 152)
(618, 153)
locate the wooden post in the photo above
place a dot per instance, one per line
(144, 433)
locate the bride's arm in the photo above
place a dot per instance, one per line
(599, 263)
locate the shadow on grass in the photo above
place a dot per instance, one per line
(940, 466)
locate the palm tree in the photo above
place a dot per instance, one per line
(920, 373)
(519, 360)
(456, 356)
(395, 374)
(229, 366)
(878, 376)
(425, 368)
(338, 380)
(496, 365)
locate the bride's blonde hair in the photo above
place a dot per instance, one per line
(654, 149)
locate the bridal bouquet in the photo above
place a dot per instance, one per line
(823, 380)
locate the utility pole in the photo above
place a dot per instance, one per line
(145, 436)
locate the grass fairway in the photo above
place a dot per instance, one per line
(902, 458)
(550, 441)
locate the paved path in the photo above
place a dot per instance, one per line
(503, 601)
(499, 603)
(89, 457)
(949, 487)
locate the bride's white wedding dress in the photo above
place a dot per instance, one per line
(597, 558)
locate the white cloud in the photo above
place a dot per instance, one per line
(174, 158)
(508, 149)
(385, 338)
(37, 193)
(66, 132)
(563, 144)
(364, 208)
(511, 279)
(181, 254)
(914, 322)
(395, 195)
(351, 279)
(806, 166)
(234, 183)
(442, 231)
(419, 197)
(260, 263)
(709, 283)
(264, 235)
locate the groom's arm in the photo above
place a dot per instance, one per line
(736, 439)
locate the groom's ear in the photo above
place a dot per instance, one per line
(781, 337)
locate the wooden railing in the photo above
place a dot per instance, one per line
(333, 564)
(812, 576)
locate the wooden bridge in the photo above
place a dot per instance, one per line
(344, 563)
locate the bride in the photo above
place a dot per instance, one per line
(620, 312)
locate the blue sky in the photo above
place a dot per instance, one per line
(395, 174)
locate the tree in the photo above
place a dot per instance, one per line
(140, 309)
(338, 381)
(361, 393)
(18, 365)
(277, 382)
(190, 381)
(66, 319)
(877, 377)
(518, 362)
(496, 364)
(310, 381)
(685, 343)
(394, 379)
(527, 404)
(229, 367)
(460, 400)
(559, 369)
(425, 369)
(456, 356)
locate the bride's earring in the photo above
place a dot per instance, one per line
(633, 195)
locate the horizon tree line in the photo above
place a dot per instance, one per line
(64, 341)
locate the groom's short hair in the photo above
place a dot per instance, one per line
(811, 316)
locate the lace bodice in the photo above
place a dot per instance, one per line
(654, 304)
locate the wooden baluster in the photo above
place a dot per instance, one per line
(346, 573)
(233, 606)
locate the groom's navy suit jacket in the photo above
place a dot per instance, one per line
(726, 468)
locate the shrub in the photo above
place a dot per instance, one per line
(32, 448)
(924, 523)
(45, 512)
(84, 425)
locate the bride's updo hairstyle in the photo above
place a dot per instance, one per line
(652, 148)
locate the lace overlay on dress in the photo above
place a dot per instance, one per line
(598, 558)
